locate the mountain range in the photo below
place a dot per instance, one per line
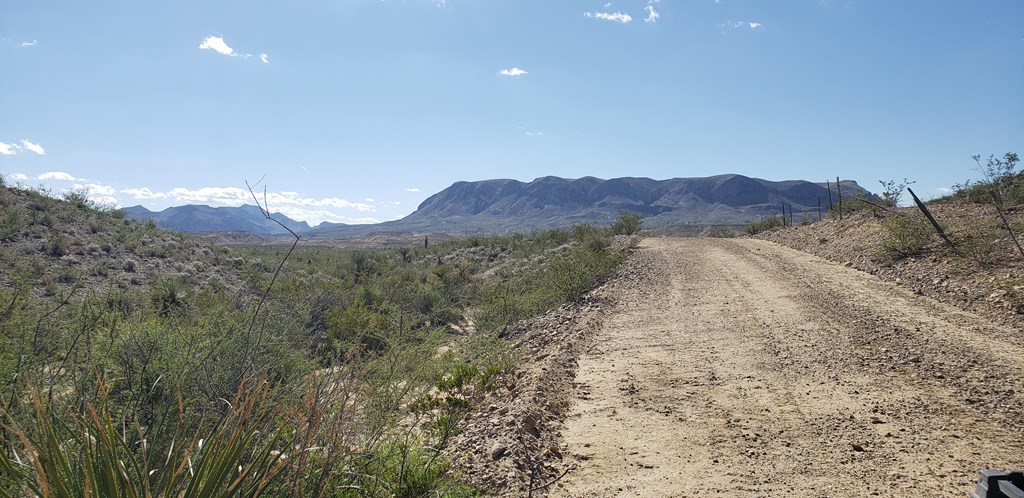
(199, 218)
(499, 206)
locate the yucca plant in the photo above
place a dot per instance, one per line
(89, 455)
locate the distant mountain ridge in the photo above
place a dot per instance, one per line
(503, 205)
(497, 206)
(201, 218)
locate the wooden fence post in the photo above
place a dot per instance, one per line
(935, 224)
(839, 190)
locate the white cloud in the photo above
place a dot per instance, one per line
(234, 196)
(19, 177)
(317, 216)
(529, 133)
(100, 194)
(143, 193)
(741, 24)
(29, 43)
(38, 149)
(370, 200)
(8, 149)
(514, 71)
(412, 189)
(944, 190)
(59, 175)
(95, 188)
(652, 13)
(610, 16)
(217, 44)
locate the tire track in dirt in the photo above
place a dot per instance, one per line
(749, 369)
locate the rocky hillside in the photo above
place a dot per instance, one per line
(52, 247)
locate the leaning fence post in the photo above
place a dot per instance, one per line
(828, 185)
(927, 214)
(839, 190)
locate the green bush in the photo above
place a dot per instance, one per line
(905, 236)
(762, 225)
(579, 271)
(627, 224)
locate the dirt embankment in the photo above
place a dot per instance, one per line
(983, 273)
(744, 368)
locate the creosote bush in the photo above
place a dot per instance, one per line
(764, 224)
(905, 236)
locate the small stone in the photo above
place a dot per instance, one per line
(498, 450)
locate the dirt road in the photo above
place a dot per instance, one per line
(742, 368)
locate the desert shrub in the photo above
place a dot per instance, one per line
(56, 244)
(574, 274)
(892, 191)
(764, 224)
(1000, 183)
(503, 305)
(407, 468)
(581, 232)
(78, 198)
(904, 236)
(11, 224)
(627, 224)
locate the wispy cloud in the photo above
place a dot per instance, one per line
(740, 24)
(29, 146)
(512, 71)
(610, 16)
(59, 175)
(143, 193)
(529, 133)
(29, 43)
(652, 13)
(217, 44)
(19, 177)
(12, 148)
(412, 189)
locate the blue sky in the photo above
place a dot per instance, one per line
(357, 110)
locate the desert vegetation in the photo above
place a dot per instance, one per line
(138, 362)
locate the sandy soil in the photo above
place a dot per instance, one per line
(743, 368)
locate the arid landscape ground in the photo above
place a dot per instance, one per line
(740, 367)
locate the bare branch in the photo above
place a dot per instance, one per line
(265, 209)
